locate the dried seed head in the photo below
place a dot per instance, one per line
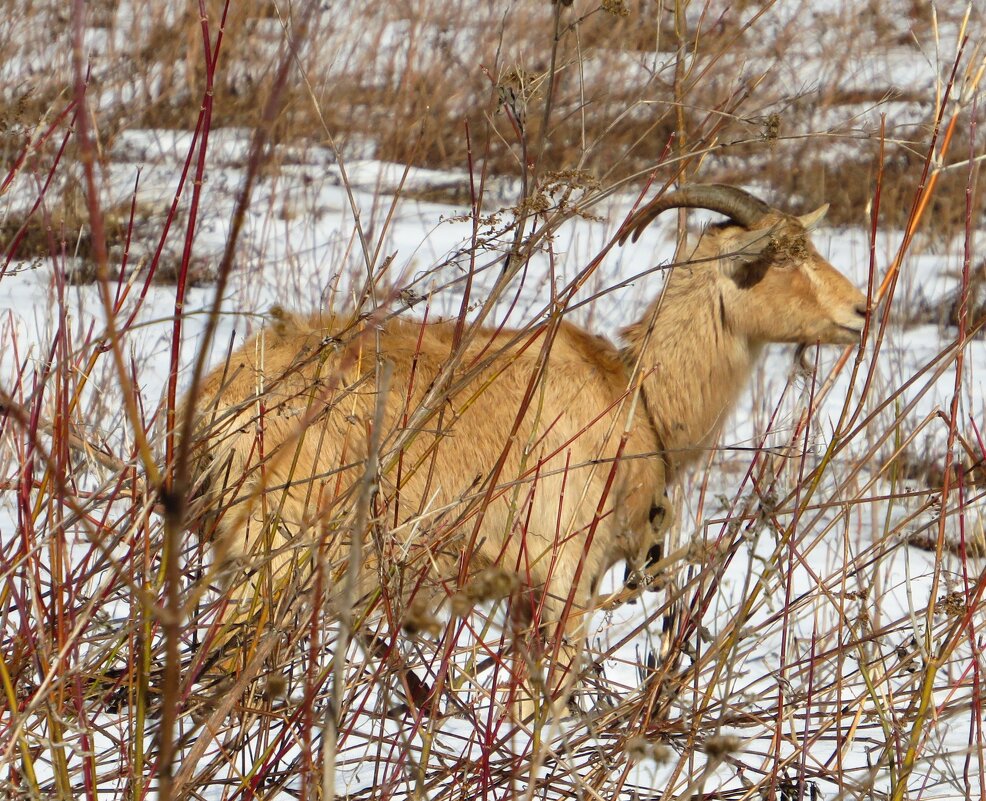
(276, 687)
(701, 552)
(789, 246)
(555, 181)
(419, 618)
(461, 604)
(493, 584)
(721, 745)
(280, 319)
(952, 604)
(661, 754)
(618, 8)
(638, 748)
(771, 127)
(537, 202)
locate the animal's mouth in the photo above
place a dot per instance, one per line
(846, 334)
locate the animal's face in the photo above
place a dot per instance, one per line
(775, 287)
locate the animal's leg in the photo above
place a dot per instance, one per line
(419, 694)
(262, 551)
(566, 649)
(551, 681)
(651, 546)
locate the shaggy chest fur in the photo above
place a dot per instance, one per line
(695, 366)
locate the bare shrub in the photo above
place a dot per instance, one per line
(811, 648)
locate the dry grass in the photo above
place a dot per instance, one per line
(386, 79)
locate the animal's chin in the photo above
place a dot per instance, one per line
(845, 335)
(834, 335)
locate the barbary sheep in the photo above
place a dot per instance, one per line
(541, 453)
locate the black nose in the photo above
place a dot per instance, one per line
(861, 310)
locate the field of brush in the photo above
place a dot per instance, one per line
(171, 173)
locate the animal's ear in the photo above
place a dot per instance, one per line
(813, 218)
(740, 256)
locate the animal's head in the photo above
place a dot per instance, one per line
(773, 284)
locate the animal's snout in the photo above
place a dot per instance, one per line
(857, 321)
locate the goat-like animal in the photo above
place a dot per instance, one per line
(544, 452)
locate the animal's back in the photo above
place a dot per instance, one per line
(516, 471)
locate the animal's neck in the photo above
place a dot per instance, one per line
(694, 364)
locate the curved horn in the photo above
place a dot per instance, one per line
(738, 205)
